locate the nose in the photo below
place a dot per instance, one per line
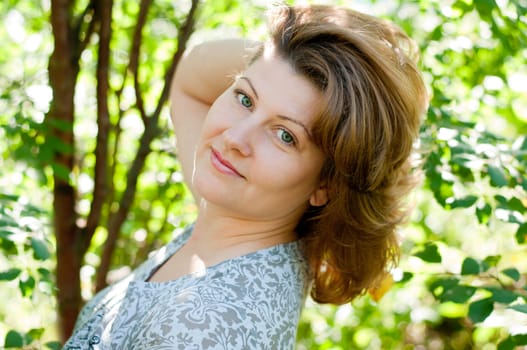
(238, 137)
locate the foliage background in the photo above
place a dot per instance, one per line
(462, 278)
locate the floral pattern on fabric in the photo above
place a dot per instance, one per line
(249, 302)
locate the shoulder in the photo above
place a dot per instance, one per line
(141, 273)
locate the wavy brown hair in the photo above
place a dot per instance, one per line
(374, 99)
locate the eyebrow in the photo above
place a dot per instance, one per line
(279, 116)
(250, 84)
(297, 123)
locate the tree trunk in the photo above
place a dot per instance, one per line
(63, 70)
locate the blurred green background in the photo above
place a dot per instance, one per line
(90, 183)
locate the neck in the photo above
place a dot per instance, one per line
(218, 232)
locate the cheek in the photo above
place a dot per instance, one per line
(286, 174)
(305, 176)
(213, 123)
(221, 116)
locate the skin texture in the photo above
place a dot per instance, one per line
(254, 168)
(255, 157)
(196, 85)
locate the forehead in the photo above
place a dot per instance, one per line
(281, 88)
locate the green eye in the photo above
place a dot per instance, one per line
(244, 100)
(286, 137)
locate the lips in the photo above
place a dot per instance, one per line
(223, 165)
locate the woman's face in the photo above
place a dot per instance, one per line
(255, 156)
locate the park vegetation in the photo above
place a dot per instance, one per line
(90, 181)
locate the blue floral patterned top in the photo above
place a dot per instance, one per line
(250, 302)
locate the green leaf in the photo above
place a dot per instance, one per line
(458, 294)
(35, 333)
(26, 286)
(483, 213)
(440, 286)
(483, 266)
(497, 176)
(520, 308)
(470, 267)
(479, 310)
(7, 221)
(45, 274)
(507, 344)
(463, 6)
(492, 260)
(485, 7)
(516, 205)
(501, 295)
(465, 202)
(5, 233)
(9, 197)
(406, 277)
(429, 253)
(53, 345)
(523, 182)
(520, 339)
(40, 249)
(8, 247)
(13, 339)
(521, 233)
(10, 274)
(512, 273)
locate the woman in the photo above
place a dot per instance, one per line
(299, 161)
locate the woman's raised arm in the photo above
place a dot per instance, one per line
(204, 72)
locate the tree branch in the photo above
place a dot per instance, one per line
(117, 132)
(103, 120)
(90, 9)
(184, 34)
(134, 55)
(118, 217)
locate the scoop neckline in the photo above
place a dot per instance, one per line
(176, 244)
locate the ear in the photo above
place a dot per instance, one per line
(319, 197)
